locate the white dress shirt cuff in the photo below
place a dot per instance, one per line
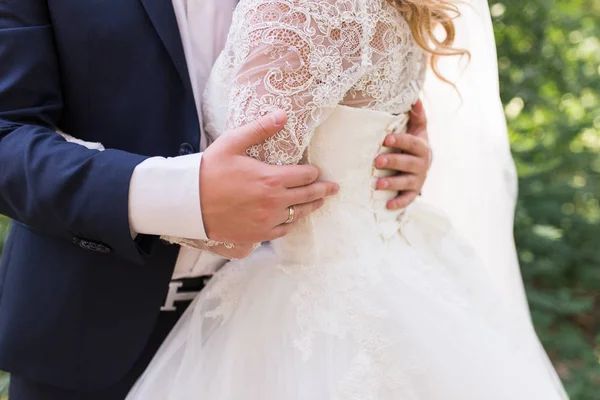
(164, 197)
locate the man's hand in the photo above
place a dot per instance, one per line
(247, 201)
(412, 164)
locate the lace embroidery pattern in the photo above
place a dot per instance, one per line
(306, 57)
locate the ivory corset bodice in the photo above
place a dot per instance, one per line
(356, 221)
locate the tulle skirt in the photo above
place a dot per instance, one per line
(420, 320)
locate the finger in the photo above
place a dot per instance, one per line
(409, 144)
(310, 193)
(401, 162)
(293, 176)
(256, 132)
(301, 211)
(418, 119)
(403, 200)
(279, 232)
(399, 183)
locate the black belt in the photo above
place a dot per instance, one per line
(183, 291)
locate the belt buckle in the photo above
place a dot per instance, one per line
(175, 296)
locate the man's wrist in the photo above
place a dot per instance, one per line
(164, 197)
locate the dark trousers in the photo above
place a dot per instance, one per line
(25, 389)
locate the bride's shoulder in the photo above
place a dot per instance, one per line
(325, 14)
(336, 9)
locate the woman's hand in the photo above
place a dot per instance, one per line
(411, 164)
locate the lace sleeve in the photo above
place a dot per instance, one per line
(298, 56)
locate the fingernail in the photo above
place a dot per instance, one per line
(391, 140)
(278, 118)
(382, 162)
(384, 184)
(336, 188)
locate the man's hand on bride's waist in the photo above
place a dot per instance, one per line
(410, 162)
(244, 200)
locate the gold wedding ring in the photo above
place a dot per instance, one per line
(291, 216)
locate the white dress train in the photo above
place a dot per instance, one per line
(357, 302)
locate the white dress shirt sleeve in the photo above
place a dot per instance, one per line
(164, 197)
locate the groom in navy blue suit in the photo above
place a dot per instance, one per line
(80, 295)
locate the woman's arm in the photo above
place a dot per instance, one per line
(296, 57)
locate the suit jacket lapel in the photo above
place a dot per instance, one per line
(163, 18)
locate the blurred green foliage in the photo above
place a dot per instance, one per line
(3, 386)
(549, 58)
(4, 225)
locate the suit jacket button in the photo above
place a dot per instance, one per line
(186, 149)
(91, 245)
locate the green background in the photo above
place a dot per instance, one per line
(549, 58)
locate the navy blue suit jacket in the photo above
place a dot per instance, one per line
(78, 296)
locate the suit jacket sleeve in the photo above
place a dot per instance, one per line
(58, 188)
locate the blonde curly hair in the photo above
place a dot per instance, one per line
(423, 16)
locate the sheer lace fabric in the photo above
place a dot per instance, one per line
(307, 57)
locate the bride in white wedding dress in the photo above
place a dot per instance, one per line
(357, 302)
